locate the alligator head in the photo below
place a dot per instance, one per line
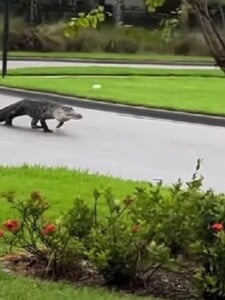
(65, 113)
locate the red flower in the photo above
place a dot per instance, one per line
(136, 229)
(46, 204)
(1, 233)
(48, 229)
(35, 195)
(128, 201)
(217, 226)
(12, 225)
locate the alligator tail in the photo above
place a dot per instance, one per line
(6, 110)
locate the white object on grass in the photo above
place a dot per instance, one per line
(96, 86)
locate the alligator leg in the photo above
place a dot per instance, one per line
(60, 124)
(8, 121)
(34, 124)
(44, 126)
(17, 112)
(9, 118)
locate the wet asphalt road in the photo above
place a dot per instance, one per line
(25, 64)
(119, 145)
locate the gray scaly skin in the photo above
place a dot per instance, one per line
(38, 111)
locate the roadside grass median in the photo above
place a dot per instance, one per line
(113, 71)
(139, 57)
(195, 94)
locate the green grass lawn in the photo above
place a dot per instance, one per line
(19, 288)
(193, 93)
(61, 187)
(112, 71)
(111, 56)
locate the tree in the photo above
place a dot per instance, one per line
(209, 29)
(89, 20)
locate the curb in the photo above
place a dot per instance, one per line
(117, 108)
(117, 61)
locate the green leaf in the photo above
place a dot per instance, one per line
(101, 8)
(81, 15)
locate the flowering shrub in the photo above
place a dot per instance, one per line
(209, 247)
(31, 231)
(115, 244)
(190, 223)
(152, 229)
(79, 220)
(211, 273)
(119, 247)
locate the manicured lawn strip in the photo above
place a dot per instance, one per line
(60, 186)
(111, 56)
(193, 94)
(125, 71)
(19, 288)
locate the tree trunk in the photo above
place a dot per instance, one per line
(212, 36)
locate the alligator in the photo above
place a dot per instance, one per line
(39, 111)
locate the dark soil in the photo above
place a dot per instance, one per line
(160, 283)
